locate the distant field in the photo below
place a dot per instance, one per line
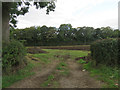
(74, 47)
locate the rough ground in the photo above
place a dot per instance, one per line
(77, 78)
(39, 77)
(35, 50)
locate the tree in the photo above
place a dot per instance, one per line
(106, 32)
(63, 31)
(116, 33)
(10, 11)
(97, 33)
(84, 34)
(51, 33)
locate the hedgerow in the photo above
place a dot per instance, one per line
(105, 52)
(12, 54)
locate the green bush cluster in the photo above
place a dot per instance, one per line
(12, 54)
(105, 52)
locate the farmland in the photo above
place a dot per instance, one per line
(56, 68)
(67, 48)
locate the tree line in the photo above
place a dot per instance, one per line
(64, 35)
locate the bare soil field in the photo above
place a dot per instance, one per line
(75, 47)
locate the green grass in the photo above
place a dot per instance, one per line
(81, 61)
(8, 80)
(47, 57)
(65, 72)
(42, 57)
(72, 53)
(106, 74)
(48, 82)
(61, 66)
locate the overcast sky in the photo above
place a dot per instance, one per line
(93, 13)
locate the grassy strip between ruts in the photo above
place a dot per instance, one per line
(50, 81)
(61, 70)
(106, 74)
(8, 80)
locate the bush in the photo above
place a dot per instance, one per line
(12, 54)
(105, 52)
(119, 52)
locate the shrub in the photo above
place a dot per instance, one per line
(12, 54)
(119, 52)
(105, 52)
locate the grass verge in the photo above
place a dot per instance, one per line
(103, 73)
(8, 80)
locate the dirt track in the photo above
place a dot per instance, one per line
(35, 80)
(77, 78)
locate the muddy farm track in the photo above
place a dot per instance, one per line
(76, 78)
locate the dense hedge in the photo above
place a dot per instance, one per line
(119, 52)
(105, 52)
(12, 54)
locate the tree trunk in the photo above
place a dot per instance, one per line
(5, 22)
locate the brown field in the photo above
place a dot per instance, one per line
(75, 47)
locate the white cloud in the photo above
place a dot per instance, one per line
(105, 18)
(76, 12)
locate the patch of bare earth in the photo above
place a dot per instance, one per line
(35, 50)
(78, 78)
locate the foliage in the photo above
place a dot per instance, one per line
(20, 8)
(12, 54)
(105, 52)
(64, 35)
(118, 53)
